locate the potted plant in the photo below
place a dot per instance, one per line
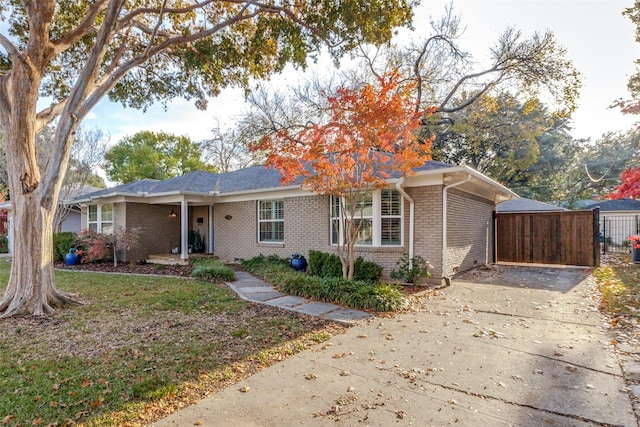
(298, 262)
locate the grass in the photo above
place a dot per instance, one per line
(619, 284)
(139, 349)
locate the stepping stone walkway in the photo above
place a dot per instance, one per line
(250, 288)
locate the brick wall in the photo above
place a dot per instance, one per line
(470, 231)
(158, 231)
(428, 226)
(306, 226)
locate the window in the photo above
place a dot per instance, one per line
(390, 218)
(379, 216)
(100, 218)
(270, 221)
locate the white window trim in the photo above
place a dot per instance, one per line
(377, 222)
(99, 222)
(269, 220)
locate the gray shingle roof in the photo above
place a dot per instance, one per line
(526, 205)
(248, 179)
(617, 205)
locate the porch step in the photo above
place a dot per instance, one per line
(167, 259)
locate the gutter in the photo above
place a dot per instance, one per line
(446, 278)
(411, 217)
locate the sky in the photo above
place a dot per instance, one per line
(599, 41)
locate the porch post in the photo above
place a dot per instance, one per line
(184, 229)
(211, 231)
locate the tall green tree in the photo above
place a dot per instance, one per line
(75, 53)
(549, 178)
(154, 155)
(494, 135)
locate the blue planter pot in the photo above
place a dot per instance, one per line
(72, 259)
(298, 264)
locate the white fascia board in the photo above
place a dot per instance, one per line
(506, 193)
(269, 193)
(110, 198)
(436, 177)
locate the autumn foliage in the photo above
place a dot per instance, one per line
(630, 187)
(367, 135)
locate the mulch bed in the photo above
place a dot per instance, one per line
(131, 268)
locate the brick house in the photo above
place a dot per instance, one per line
(442, 213)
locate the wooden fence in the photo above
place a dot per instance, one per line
(567, 238)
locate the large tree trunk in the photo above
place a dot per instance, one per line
(31, 289)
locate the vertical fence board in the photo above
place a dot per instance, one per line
(568, 238)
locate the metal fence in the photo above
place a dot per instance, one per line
(615, 231)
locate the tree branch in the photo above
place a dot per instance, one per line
(11, 49)
(69, 39)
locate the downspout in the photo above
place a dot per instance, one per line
(444, 226)
(411, 217)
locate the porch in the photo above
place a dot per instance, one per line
(175, 259)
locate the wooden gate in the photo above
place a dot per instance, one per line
(567, 238)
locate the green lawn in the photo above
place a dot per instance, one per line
(140, 347)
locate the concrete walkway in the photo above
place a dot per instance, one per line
(251, 288)
(476, 354)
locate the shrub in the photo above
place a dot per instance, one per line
(328, 265)
(4, 243)
(62, 242)
(213, 270)
(366, 271)
(356, 294)
(316, 259)
(331, 266)
(411, 269)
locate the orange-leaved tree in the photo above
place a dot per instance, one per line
(630, 186)
(367, 135)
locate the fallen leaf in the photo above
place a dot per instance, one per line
(245, 389)
(310, 376)
(198, 423)
(98, 402)
(345, 373)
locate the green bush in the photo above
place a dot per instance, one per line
(356, 293)
(4, 244)
(213, 270)
(366, 271)
(62, 242)
(411, 269)
(331, 266)
(328, 265)
(316, 260)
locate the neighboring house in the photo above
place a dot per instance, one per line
(72, 221)
(526, 205)
(443, 213)
(619, 219)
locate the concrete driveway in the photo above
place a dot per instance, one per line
(505, 347)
